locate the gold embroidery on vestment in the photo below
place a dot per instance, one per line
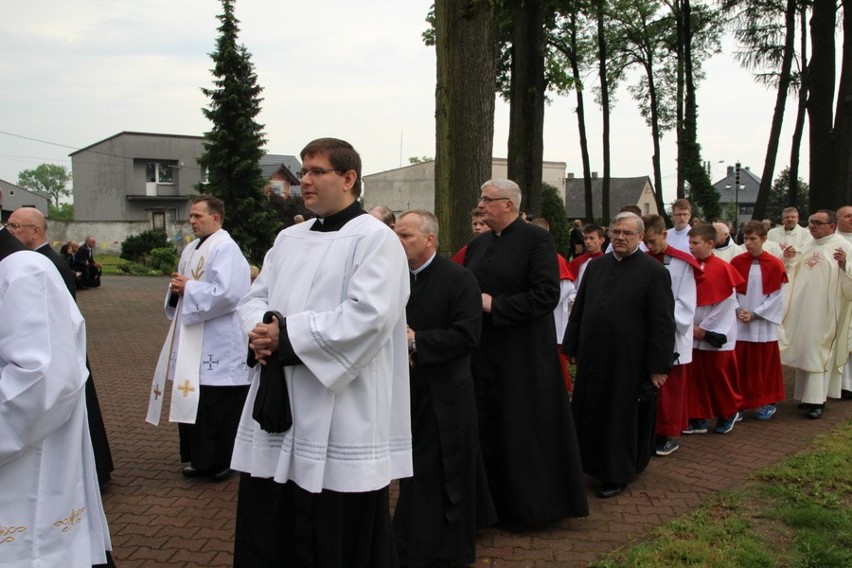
(68, 522)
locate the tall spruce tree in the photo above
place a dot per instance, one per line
(232, 149)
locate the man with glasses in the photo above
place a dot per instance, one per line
(678, 236)
(526, 429)
(326, 425)
(621, 334)
(815, 326)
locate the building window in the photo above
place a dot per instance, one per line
(746, 209)
(156, 172)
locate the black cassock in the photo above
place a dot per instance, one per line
(621, 330)
(440, 508)
(526, 429)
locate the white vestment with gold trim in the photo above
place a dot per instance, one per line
(50, 505)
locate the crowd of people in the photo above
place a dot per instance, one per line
(359, 355)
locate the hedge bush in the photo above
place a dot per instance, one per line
(136, 248)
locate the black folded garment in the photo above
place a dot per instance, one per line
(272, 405)
(717, 340)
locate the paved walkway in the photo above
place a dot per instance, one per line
(158, 519)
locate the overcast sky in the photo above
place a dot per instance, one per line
(79, 71)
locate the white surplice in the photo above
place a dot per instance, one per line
(729, 251)
(684, 291)
(797, 237)
(219, 276)
(343, 294)
(679, 239)
(815, 328)
(50, 505)
(768, 309)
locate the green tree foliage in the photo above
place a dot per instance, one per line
(553, 210)
(419, 159)
(779, 197)
(47, 178)
(64, 212)
(233, 146)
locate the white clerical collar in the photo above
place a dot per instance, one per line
(423, 266)
(620, 258)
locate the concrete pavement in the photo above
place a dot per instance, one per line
(159, 519)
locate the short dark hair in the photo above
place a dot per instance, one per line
(654, 224)
(705, 232)
(592, 228)
(341, 154)
(215, 205)
(832, 216)
(631, 209)
(477, 212)
(754, 228)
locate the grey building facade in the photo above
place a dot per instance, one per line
(14, 196)
(137, 176)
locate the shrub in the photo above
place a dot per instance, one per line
(163, 259)
(137, 247)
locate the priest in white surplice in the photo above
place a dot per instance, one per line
(315, 487)
(50, 505)
(818, 295)
(204, 354)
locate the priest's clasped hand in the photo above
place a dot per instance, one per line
(177, 283)
(263, 340)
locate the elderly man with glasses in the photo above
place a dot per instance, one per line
(527, 434)
(814, 323)
(622, 335)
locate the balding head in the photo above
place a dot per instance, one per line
(29, 226)
(722, 231)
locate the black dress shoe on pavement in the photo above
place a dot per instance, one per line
(845, 395)
(815, 412)
(608, 490)
(222, 474)
(190, 471)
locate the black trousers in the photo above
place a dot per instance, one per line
(284, 525)
(209, 442)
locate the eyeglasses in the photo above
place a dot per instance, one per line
(314, 172)
(619, 232)
(486, 199)
(815, 223)
(16, 226)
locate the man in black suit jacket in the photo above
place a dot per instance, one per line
(440, 507)
(85, 259)
(29, 226)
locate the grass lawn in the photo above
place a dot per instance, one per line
(796, 514)
(109, 264)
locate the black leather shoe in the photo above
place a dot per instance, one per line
(608, 490)
(846, 394)
(815, 412)
(221, 474)
(190, 471)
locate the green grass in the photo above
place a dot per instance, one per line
(796, 514)
(113, 264)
